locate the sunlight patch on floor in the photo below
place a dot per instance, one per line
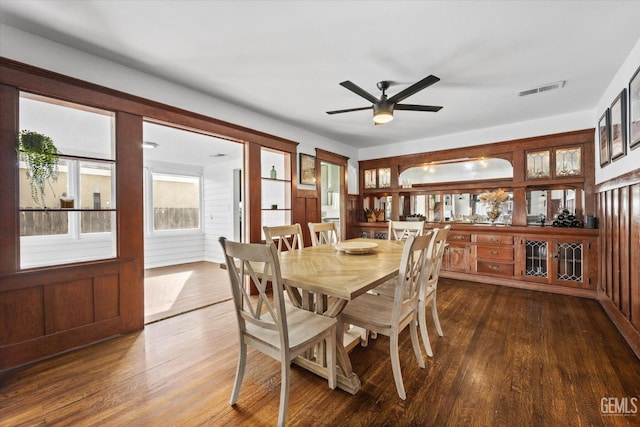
(166, 292)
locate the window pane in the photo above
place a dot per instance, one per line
(54, 190)
(52, 226)
(176, 202)
(96, 184)
(44, 223)
(76, 130)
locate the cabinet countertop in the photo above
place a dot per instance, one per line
(498, 228)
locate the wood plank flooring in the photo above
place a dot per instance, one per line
(177, 289)
(509, 357)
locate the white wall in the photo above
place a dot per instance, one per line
(545, 126)
(30, 49)
(621, 80)
(218, 207)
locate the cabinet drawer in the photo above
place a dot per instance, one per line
(488, 267)
(458, 237)
(495, 239)
(495, 252)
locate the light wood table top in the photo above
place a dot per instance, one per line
(328, 271)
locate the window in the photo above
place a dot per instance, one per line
(74, 219)
(176, 202)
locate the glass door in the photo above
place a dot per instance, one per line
(330, 193)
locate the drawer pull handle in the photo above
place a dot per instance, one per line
(494, 252)
(494, 267)
(494, 239)
(458, 237)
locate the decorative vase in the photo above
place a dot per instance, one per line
(494, 211)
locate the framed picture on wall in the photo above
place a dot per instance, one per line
(634, 110)
(604, 139)
(618, 125)
(307, 169)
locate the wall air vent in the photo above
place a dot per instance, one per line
(543, 88)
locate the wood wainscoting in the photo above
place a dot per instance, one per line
(618, 210)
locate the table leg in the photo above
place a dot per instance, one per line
(347, 379)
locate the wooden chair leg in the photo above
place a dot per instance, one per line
(395, 365)
(422, 320)
(413, 329)
(284, 391)
(436, 319)
(364, 337)
(242, 362)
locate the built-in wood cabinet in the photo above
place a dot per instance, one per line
(457, 254)
(494, 254)
(542, 176)
(562, 260)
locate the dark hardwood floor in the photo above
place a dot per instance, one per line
(509, 357)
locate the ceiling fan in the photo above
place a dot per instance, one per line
(383, 107)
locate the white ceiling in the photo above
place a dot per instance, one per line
(285, 59)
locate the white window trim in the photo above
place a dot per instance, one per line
(148, 199)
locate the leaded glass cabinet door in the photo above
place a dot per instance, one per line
(537, 259)
(569, 266)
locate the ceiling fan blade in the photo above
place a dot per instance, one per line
(416, 87)
(349, 110)
(359, 91)
(413, 107)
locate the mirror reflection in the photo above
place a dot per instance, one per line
(452, 207)
(543, 204)
(456, 170)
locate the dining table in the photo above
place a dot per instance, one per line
(325, 278)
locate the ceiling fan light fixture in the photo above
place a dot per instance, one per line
(382, 113)
(149, 144)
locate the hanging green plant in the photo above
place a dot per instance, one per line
(41, 157)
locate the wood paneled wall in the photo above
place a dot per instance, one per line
(618, 207)
(49, 310)
(306, 208)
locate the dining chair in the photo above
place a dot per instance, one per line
(289, 238)
(389, 317)
(276, 329)
(323, 233)
(401, 230)
(285, 237)
(427, 292)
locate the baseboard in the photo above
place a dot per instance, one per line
(630, 334)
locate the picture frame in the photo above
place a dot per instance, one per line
(634, 110)
(604, 139)
(307, 169)
(618, 126)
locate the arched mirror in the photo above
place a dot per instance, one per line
(456, 170)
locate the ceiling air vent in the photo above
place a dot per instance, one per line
(543, 88)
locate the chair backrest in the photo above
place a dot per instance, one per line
(401, 230)
(285, 237)
(259, 263)
(411, 274)
(435, 257)
(323, 233)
